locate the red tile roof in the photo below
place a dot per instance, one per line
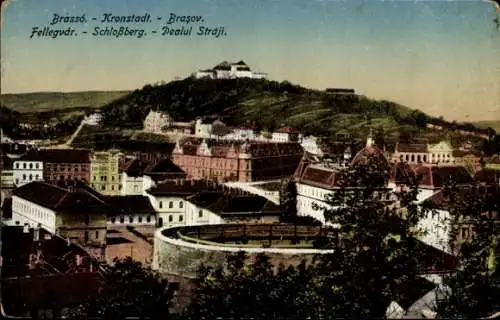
(439, 176)
(367, 152)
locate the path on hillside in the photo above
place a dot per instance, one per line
(75, 134)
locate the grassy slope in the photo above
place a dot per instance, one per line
(51, 101)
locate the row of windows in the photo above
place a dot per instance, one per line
(171, 204)
(104, 178)
(131, 219)
(36, 166)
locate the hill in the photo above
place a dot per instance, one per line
(271, 104)
(52, 101)
(494, 124)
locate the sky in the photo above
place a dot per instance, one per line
(437, 56)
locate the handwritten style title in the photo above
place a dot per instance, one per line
(118, 26)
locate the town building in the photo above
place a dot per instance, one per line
(418, 153)
(447, 222)
(28, 168)
(156, 121)
(212, 207)
(226, 160)
(131, 211)
(169, 199)
(77, 215)
(493, 163)
(229, 70)
(139, 175)
(104, 172)
(93, 119)
(285, 134)
(65, 165)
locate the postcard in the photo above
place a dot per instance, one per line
(149, 141)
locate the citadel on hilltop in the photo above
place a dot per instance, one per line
(229, 70)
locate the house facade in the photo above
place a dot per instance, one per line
(225, 160)
(66, 165)
(28, 168)
(156, 121)
(104, 173)
(285, 134)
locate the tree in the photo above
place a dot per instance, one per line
(476, 285)
(359, 280)
(255, 290)
(129, 290)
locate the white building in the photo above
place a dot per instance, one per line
(229, 70)
(26, 212)
(202, 129)
(28, 168)
(157, 121)
(285, 134)
(169, 200)
(311, 145)
(441, 152)
(93, 119)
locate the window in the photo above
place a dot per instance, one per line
(130, 219)
(122, 220)
(170, 218)
(31, 165)
(97, 235)
(37, 177)
(24, 165)
(24, 177)
(161, 204)
(103, 187)
(31, 177)
(95, 178)
(171, 204)
(17, 165)
(113, 219)
(181, 204)
(465, 233)
(112, 187)
(140, 219)
(200, 213)
(148, 219)
(181, 218)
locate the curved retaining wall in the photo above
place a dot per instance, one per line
(174, 255)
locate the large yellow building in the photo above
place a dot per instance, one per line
(104, 173)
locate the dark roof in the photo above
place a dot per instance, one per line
(180, 188)
(165, 166)
(130, 204)
(47, 292)
(219, 128)
(367, 152)
(137, 167)
(411, 147)
(439, 176)
(61, 200)
(221, 148)
(56, 252)
(58, 156)
(229, 204)
(240, 63)
(462, 197)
